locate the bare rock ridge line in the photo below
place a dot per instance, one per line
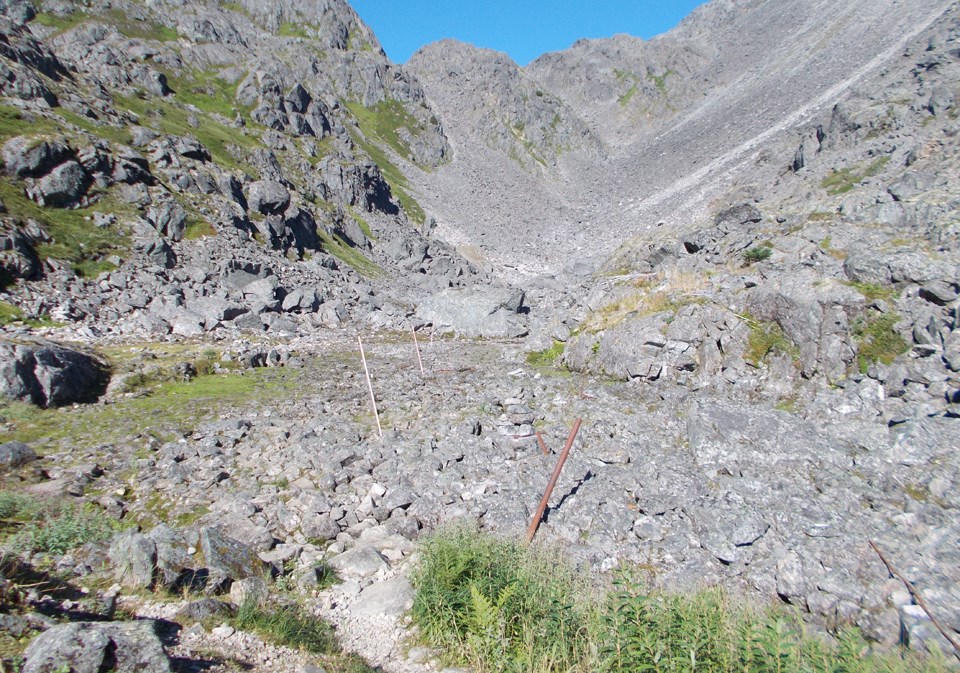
(803, 114)
(733, 250)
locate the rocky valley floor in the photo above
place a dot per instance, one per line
(287, 461)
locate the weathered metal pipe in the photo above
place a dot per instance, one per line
(532, 530)
(417, 346)
(543, 446)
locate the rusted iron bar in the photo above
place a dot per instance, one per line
(918, 598)
(373, 400)
(543, 446)
(416, 345)
(532, 530)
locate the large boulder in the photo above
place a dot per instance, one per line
(91, 647)
(50, 375)
(64, 186)
(488, 312)
(268, 197)
(26, 157)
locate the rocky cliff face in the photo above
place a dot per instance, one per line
(204, 140)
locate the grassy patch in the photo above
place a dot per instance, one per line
(108, 132)
(361, 222)
(380, 125)
(874, 291)
(168, 408)
(291, 29)
(76, 239)
(143, 29)
(845, 179)
(290, 626)
(61, 23)
(547, 357)
(223, 142)
(826, 246)
(50, 527)
(638, 305)
(766, 338)
(351, 256)
(207, 91)
(399, 185)
(15, 122)
(878, 340)
(660, 81)
(497, 605)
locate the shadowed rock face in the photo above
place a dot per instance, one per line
(49, 375)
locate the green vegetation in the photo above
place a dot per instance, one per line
(50, 527)
(499, 606)
(291, 626)
(756, 253)
(207, 91)
(845, 179)
(878, 340)
(108, 132)
(287, 626)
(224, 142)
(76, 240)
(361, 222)
(625, 76)
(380, 125)
(235, 7)
(13, 314)
(766, 338)
(356, 259)
(875, 292)
(638, 305)
(14, 122)
(660, 81)
(547, 357)
(290, 29)
(122, 21)
(826, 246)
(61, 23)
(169, 407)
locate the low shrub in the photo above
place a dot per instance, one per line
(756, 254)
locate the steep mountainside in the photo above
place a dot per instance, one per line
(241, 162)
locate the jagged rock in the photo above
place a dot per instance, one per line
(31, 157)
(63, 186)
(228, 559)
(361, 561)
(134, 559)
(268, 197)
(91, 647)
(940, 292)
(391, 598)
(169, 219)
(49, 375)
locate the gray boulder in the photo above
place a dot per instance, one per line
(134, 559)
(91, 647)
(64, 186)
(228, 559)
(488, 312)
(31, 158)
(169, 219)
(15, 454)
(49, 375)
(268, 197)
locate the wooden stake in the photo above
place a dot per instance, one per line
(373, 400)
(916, 597)
(416, 345)
(532, 530)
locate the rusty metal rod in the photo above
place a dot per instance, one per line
(532, 530)
(918, 598)
(373, 400)
(417, 346)
(543, 446)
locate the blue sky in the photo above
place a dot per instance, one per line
(524, 29)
